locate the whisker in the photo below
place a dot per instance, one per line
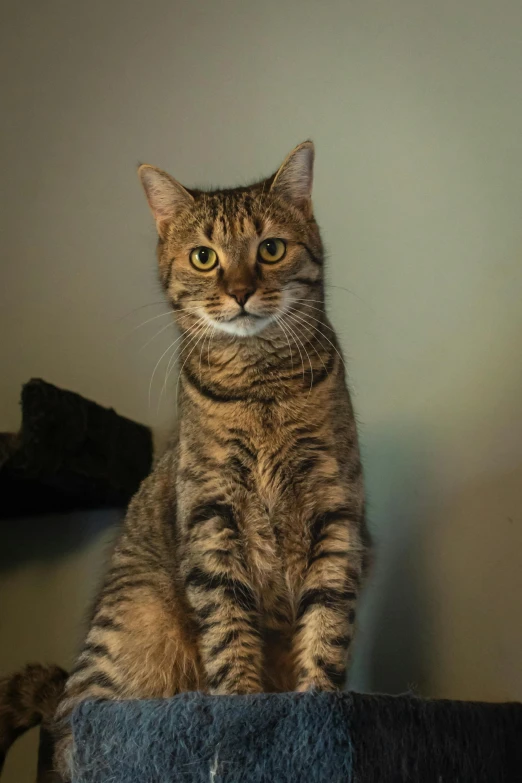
(320, 301)
(154, 318)
(183, 310)
(201, 350)
(295, 342)
(208, 346)
(180, 312)
(307, 303)
(170, 366)
(278, 320)
(309, 362)
(293, 310)
(310, 343)
(340, 287)
(307, 356)
(326, 338)
(140, 307)
(163, 328)
(187, 358)
(292, 316)
(192, 307)
(158, 363)
(170, 363)
(348, 290)
(156, 335)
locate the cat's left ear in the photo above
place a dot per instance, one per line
(165, 195)
(294, 178)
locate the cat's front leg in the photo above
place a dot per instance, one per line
(138, 645)
(327, 601)
(223, 599)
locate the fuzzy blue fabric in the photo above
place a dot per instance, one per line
(289, 738)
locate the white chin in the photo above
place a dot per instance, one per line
(242, 327)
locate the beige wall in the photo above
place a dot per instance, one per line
(416, 112)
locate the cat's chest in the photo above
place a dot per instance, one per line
(276, 547)
(287, 468)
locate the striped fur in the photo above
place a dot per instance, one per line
(242, 556)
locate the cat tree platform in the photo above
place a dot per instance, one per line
(294, 738)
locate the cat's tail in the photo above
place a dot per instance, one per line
(27, 698)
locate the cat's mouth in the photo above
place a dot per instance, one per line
(243, 314)
(243, 324)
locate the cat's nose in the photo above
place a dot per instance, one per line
(241, 293)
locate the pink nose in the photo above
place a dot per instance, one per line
(240, 293)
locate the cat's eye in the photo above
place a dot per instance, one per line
(203, 258)
(271, 250)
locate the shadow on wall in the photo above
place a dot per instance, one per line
(45, 538)
(390, 654)
(441, 613)
(473, 547)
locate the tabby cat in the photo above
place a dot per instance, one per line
(242, 555)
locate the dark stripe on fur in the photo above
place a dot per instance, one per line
(321, 523)
(97, 649)
(325, 554)
(211, 393)
(210, 510)
(98, 679)
(313, 257)
(307, 281)
(240, 593)
(107, 623)
(215, 680)
(333, 599)
(238, 443)
(224, 643)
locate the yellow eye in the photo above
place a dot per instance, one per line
(271, 250)
(203, 258)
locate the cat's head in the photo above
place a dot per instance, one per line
(238, 259)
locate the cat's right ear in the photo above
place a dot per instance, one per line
(165, 195)
(293, 180)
